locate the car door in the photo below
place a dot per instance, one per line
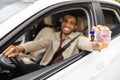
(111, 13)
(82, 9)
(104, 64)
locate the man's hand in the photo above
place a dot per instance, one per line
(98, 45)
(13, 51)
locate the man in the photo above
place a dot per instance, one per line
(52, 43)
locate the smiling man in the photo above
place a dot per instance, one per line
(52, 43)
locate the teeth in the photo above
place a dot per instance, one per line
(66, 29)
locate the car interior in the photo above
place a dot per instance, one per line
(111, 21)
(53, 23)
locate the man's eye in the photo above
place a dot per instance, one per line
(72, 23)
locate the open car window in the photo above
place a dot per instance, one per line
(30, 30)
(53, 21)
(112, 20)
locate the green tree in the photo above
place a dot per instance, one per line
(118, 1)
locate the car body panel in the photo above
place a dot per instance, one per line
(95, 66)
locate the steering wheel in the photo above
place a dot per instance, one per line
(11, 63)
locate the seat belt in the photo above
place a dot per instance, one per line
(39, 57)
(66, 46)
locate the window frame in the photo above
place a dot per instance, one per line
(57, 67)
(116, 11)
(23, 27)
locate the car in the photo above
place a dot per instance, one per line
(29, 19)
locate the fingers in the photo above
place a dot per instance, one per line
(99, 46)
(12, 55)
(4, 52)
(102, 41)
(100, 28)
(95, 28)
(106, 28)
(11, 51)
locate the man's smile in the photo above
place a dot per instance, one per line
(66, 29)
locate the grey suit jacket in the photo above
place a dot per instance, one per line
(50, 44)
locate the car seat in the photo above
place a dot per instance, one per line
(82, 26)
(48, 28)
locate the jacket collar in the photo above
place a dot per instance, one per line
(70, 36)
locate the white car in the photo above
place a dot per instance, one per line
(23, 19)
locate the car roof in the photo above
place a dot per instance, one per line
(22, 4)
(101, 1)
(38, 6)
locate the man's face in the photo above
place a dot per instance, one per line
(68, 24)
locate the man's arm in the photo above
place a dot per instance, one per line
(13, 51)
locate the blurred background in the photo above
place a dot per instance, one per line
(118, 1)
(4, 3)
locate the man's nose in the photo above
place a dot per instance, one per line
(67, 24)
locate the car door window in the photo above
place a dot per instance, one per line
(38, 26)
(30, 27)
(83, 23)
(112, 20)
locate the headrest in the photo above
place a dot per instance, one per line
(82, 24)
(109, 19)
(49, 20)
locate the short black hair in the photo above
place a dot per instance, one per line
(71, 14)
